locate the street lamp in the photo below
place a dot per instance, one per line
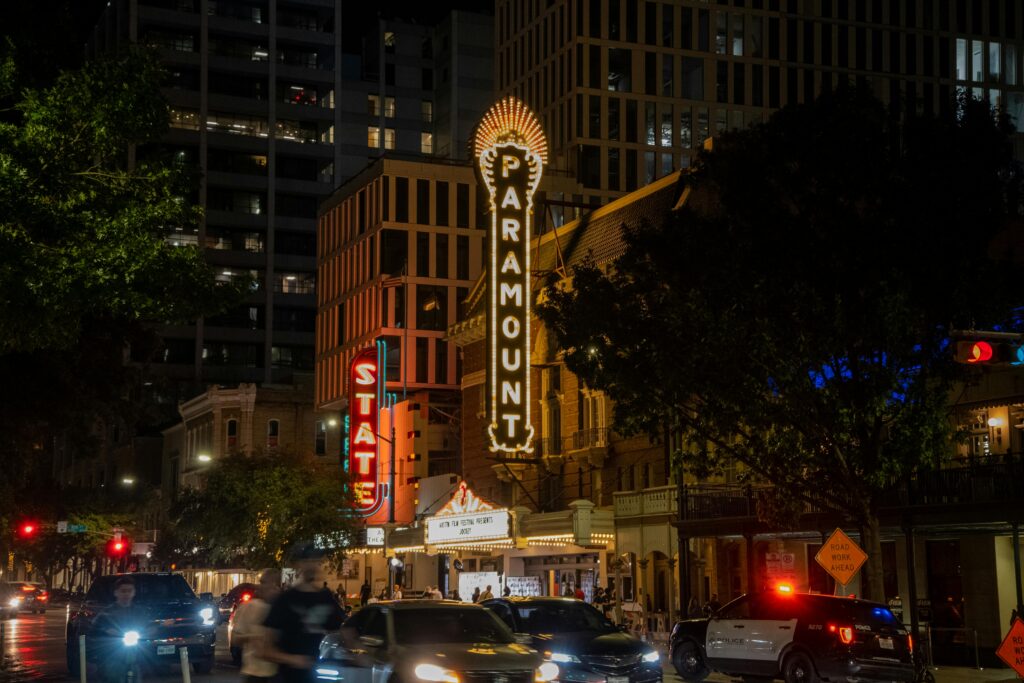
(128, 481)
(204, 458)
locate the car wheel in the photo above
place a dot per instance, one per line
(236, 655)
(798, 668)
(689, 662)
(203, 666)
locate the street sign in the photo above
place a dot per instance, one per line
(841, 557)
(1011, 650)
(62, 527)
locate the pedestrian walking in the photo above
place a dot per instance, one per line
(486, 595)
(476, 594)
(249, 632)
(300, 618)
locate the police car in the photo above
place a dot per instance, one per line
(801, 637)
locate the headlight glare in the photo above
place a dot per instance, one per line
(433, 672)
(130, 638)
(14, 602)
(548, 671)
(652, 656)
(207, 614)
(563, 658)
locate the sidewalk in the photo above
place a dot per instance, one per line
(945, 674)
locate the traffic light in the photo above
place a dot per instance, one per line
(28, 529)
(992, 348)
(117, 546)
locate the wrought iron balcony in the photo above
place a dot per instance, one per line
(595, 437)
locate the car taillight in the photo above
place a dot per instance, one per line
(845, 633)
(910, 643)
(42, 596)
(27, 589)
(246, 597)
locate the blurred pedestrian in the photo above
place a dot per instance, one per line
(693, 610)
(476, 594)
(364, 594)
(249, 632)
(486, 595)
(300, 618)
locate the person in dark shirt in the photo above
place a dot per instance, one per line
(300, 617)
(110, 626)
(364, 594)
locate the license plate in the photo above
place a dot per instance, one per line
(885, 643)
(165, 649)
(618, 679)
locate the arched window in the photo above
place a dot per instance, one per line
(273, 432)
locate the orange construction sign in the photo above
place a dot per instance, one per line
(841, 557)
(1012, 649)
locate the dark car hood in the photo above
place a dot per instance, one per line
(611, 643)
(469, 657)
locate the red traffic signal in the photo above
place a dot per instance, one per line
(28, 529)
(117, 547)
(977, 351)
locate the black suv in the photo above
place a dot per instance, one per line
(175, 618)
(803, 637)
(580, 639)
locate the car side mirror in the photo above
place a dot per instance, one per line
(371, 641)
(524, 639)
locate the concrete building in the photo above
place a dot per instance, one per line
(628, 90)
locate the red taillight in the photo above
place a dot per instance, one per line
(246, 597)
(42, 596)
(845, 633)
(910, 643)
(28, 589)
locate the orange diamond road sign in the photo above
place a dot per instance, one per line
(1012, 649)
(841, 557)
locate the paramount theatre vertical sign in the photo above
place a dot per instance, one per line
(511, 151)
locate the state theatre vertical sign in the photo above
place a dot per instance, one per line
(511, 150)
(364, 451)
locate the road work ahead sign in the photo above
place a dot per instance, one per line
(1012, 649)
(841, 557)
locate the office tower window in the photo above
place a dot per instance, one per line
(666, 125)
(693, 78)
(423, 201)
(462, 258)
(630, 170)
(631, 121)
(757, 85)
(721, 28)
(427, 111)
(737, 35)
(977, 61)
(441, 255)
(389, 138)
(1010, 74)
(373, 105)
(668, 74)
(613, 169)
(648, 167)
(666, 164)
(423, 254)
(590, 166)
(594, 15)
(685, 128)
(373, 137)
(614, 116)
(649, 114)
(738, 83)
(462, 206)
(440, 361)
(620, 69)
(441, 202)
(402, 200)
(594, 67)
(721, 81)
(686, 28)
(702, 126)
(594, 120)
(427, 79)
(431, 307)
(667, 25)
(650, 73)
(614, 19)
(631, 20)
(995, 61)
(393, 359)
(421, 359)
(754, 35)
(389, 107)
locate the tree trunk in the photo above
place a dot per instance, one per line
(872, 585)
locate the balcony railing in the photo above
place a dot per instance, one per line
(658, 500)
(595, 437)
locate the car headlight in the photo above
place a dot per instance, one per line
(207, 614)
(562, 658)
(326, 674)
(548, 671)
(14, 602)
(433, 672)
(130, 638)
(652, 656)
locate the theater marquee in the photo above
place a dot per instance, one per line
(511, 150)
(363, 449)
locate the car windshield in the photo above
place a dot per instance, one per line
(562, 617)
(449, 625)
(148, 588)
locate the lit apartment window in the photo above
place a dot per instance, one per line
(273, 433)
(426, 143)
(427, 110)
(373, 105)
(184, 118)
(961, 59)
(389, 138)
(389, 41)
(373, 137)
(389, 107)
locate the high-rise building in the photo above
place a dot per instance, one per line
(628, 90)
(276, 106)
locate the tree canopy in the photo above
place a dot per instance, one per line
(795, 314)
(252, 509)
(86, 271)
